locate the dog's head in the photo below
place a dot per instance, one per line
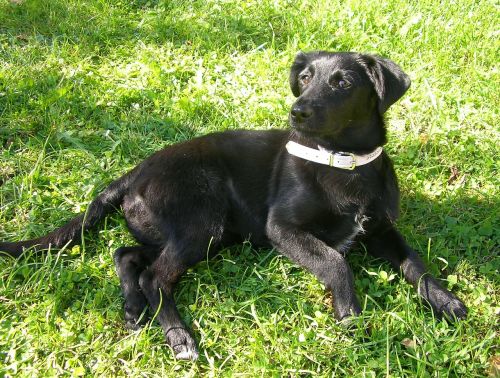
(342, 97)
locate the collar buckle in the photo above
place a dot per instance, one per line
(339, 160)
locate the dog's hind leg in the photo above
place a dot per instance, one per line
(391, 246)
(130, 262)
(157, 283)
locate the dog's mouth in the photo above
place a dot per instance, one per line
(300, 127)
(303, 125)
(305, 132)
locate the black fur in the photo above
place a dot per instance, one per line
(225, 187)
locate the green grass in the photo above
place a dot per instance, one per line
(90, 88)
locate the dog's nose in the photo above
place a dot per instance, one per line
(301, 112)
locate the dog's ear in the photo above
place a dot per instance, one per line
(389, 80)
(300, 62)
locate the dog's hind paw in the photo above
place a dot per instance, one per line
(133, 325)
(182, 343)
(135, 317)
(186, 354)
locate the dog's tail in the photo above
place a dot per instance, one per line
(70, 234)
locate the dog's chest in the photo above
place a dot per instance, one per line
(339, 229)
(343, 245)
(347, 198)
(329, 203)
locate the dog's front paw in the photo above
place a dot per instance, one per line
(346, 312)
(349, 322)
(348, 316)
(454, 309)
(444, 303)
(182, 343)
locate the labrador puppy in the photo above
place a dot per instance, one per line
(311, 192)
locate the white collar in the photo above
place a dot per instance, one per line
(343, 160)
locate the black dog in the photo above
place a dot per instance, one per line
(307, 199)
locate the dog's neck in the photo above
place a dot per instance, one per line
(361, 137)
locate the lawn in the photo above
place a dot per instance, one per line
(90, 88)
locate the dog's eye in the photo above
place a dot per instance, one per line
(343, 84)
(339, 81)
(305, 79)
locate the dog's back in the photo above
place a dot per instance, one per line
(223, 178)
